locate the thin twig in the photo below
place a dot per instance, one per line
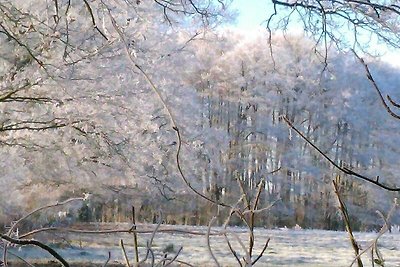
(346, 220)
(149, 245)
(262, 209)
(252, 215)
(38, 244)
(121, 243)
(173, 259)
(396, 104)
(270, 36)
(375, 85)
(262, 252)
(343, 169)
(128, 230)
(247, 260)
(184, 263)
(135, 239)
(208, 241)
(20, 258)
(232, 250)
(383, 230)
(89, 8)
(108, 259)
(12, 228)
(232, 211)
(15, 224)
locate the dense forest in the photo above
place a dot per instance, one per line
(92, 95)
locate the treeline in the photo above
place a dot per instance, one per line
(105, 130)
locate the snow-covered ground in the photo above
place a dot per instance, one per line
(287, 247)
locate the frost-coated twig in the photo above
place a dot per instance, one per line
(371, 245)
(253, 210)
(208, 242)
(149, 245)
(247, 260)
(346, 220)
(15, 224)
(232, 211)
(184, 263)
(380, 259)
(262, 209)
(383, 230)
(151, 253)
(38, 244)
(250, 223)
(79, 231)
(12, 228)
(114, 231)
(154, 233)
(252, 215)
(246, 201)
(232, 250)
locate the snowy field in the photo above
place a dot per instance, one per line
(287, 247)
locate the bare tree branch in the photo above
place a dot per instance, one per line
(343, 169)
(38, 244)
(346, 219)
(375, 85)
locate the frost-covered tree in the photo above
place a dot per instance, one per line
(244, 93)
(76, 113)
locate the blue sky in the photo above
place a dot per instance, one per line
(251, 12)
